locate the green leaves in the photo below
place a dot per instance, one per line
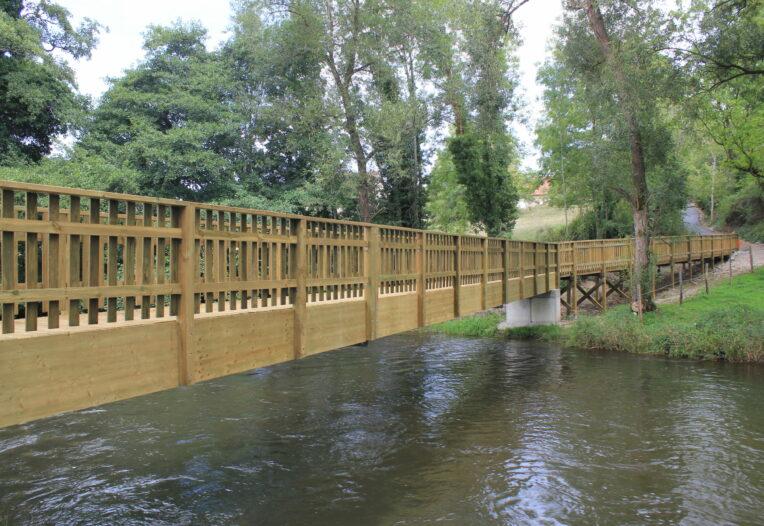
(37, 98)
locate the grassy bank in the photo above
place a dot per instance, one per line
(728, 324)
(485, 324)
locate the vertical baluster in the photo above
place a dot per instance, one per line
(54, 272)
(75, 261)
(94, 270)
(148, 260)
(31, 262)
(111, 303)
(128, 265)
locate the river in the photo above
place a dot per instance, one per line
(412, 429)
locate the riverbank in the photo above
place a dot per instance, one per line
(727, 324)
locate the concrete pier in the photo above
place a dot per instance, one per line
(543, 309)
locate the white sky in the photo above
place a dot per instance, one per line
(120, 48)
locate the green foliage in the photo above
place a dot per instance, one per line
(583, 137)
(170, 119)
(484, 324)
(79, 171)
(446, 206)
(37, 97)
(482, 163)
(548, 333)
(727, 324)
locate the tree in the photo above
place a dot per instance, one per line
(170, 118)
(37, 89)
(613, 50)
(479, 88)
(288, 156)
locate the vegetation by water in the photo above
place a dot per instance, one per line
(486, 324)
(727, 324)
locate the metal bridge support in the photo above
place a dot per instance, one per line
(543, 309)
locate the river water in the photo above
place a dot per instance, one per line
(409, 430)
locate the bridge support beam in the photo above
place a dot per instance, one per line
(543, 309)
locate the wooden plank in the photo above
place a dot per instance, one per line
(31, 263)
(458, 277)
(187, 365)
(53, 269)
(47, 373)
(301, 292)
(85, 229)
(9, 263)
(372, 290)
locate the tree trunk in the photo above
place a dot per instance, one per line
(639, 194)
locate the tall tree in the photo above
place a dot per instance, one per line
(170, 118)
(38, 98)
(613, 47)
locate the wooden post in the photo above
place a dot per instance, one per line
(484, 277)
(689, 256)
(54, 273)
(458, 277)
(372, 259)
(301, 292)
(681, 285)
(535, 269)
(574, 278)
(705, 274)
(421, 281)
(187, 282)
(9, 263)
(505, 272)
(548, 268)
(603, 289)
(31, 266)
(522, 270)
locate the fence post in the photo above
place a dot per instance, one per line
(505, 272)
(372, 260)
(187, 280)
(421, 281)
(548, 267)
(522, 270)
(458, 277)
(301, 293)
(484, 279)
(574, 278)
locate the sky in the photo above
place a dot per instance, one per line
(121, 47)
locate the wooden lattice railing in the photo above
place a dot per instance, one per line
(106, 296)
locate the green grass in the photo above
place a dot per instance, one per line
(728, 324)
(483, 324)
(533, 222)
(550, 333)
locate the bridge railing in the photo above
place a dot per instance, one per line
(105, 296)
(606, 255)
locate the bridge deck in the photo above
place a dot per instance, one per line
(108, 296)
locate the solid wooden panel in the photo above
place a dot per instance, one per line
(397, 313)
(495, 293)
(50, 372)
(231, 342)
(471, 299)
(334, 325)
(440, 305)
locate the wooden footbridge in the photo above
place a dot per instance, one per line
(108, 296)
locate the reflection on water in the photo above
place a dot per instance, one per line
(410, 429)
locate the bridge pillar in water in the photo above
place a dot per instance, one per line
(543, 309)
